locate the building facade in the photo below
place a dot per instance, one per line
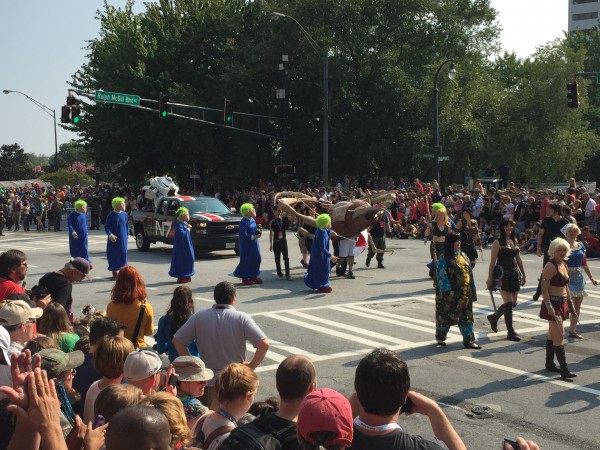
(583, 14)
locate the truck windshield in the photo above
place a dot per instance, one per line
(206, 205)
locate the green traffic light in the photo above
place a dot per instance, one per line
(228, 119)
(164, 113)
(76, 119)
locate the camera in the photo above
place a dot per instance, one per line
(407, 407)
(38, 292)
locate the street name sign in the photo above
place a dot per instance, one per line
(444, 158)
(115, 97)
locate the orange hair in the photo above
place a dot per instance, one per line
(128, 287)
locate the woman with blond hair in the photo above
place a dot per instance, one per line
(439, 229)
(172, 408)
(236, 387)
(556, 304)
(55, 324)
(182, 259)
(577, 264)
(117, 232)
(129, 305)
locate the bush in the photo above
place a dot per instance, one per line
(66, 177)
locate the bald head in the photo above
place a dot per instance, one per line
(295, 377)
(139, 427)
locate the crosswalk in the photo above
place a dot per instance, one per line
(353, 329)
(34, 241)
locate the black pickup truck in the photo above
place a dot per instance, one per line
(214, 226)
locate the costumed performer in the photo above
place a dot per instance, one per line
(115, 227)
(506, 254)
(454, 294)
(317, 276)
(183, 256)
(577, 264)
(78, 231)
(249, 267)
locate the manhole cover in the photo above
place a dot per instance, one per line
(482, 412)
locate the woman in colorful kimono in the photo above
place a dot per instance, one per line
(455, 294)
(182, 259)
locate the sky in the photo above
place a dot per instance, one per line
(42, 44)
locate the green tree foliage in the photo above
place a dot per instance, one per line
(66, 177)
(13, 163)
(383, 56)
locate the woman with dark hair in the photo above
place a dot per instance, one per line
(455, 294)
(180, 310)
(182, 259)
(506, 255)
(129, 303)
(469, 234)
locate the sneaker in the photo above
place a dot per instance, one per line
(288, 278)
(257, 280)
(326, 289)
(350, 276)
(280, 276)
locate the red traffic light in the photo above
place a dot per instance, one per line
(65, 114)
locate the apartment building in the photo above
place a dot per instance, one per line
(583, 14)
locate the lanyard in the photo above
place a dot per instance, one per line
(387, 426)
(227, 416)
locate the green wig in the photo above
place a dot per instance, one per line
(79, 205)
(438, 207)
(180, 212)
(245, 208)
(323, 220)
(117, 201)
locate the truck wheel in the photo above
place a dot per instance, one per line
(141, 241)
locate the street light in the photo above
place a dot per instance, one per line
(48, 111)
(324, 52)
(436, 131)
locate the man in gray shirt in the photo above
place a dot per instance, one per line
(221, 333)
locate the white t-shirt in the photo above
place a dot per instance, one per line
(590, 207)
(90, 399)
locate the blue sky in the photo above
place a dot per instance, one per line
(42, 44)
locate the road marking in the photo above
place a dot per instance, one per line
(351, 328)
(324, 330)
(209, 300)
(530, 376)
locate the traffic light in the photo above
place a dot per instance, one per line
(71, 100)
(573, 95)
(228, 112)
(75, 111)
(163, 105)
(65, 114)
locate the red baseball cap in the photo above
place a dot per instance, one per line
(326, 410)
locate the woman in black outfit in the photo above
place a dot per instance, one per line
(505, 253)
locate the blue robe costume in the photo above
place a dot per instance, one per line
(182, 259)
(116, 252)
(250, 259)
(77, 222)
(317, 276)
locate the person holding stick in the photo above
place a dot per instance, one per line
(556, 305)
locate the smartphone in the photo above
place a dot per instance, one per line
(173, 380)
(98, 421)
(512, 442)
(408, 406)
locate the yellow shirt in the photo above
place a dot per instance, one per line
(128, 314)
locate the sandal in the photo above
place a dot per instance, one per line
(440, 342)
(575, 335)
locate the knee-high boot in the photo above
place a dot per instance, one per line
(493, 318)
(550, 357)
(508, 319)
(559, 350)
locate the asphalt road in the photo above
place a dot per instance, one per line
(488, 394)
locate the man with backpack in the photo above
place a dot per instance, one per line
(295, 379)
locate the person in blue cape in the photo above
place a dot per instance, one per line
(78, 231)
(115, 227)
(317, 276)
(182, 259)
(249, 267)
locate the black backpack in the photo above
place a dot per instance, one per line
(253, 436)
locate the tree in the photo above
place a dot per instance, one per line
(13, 163)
